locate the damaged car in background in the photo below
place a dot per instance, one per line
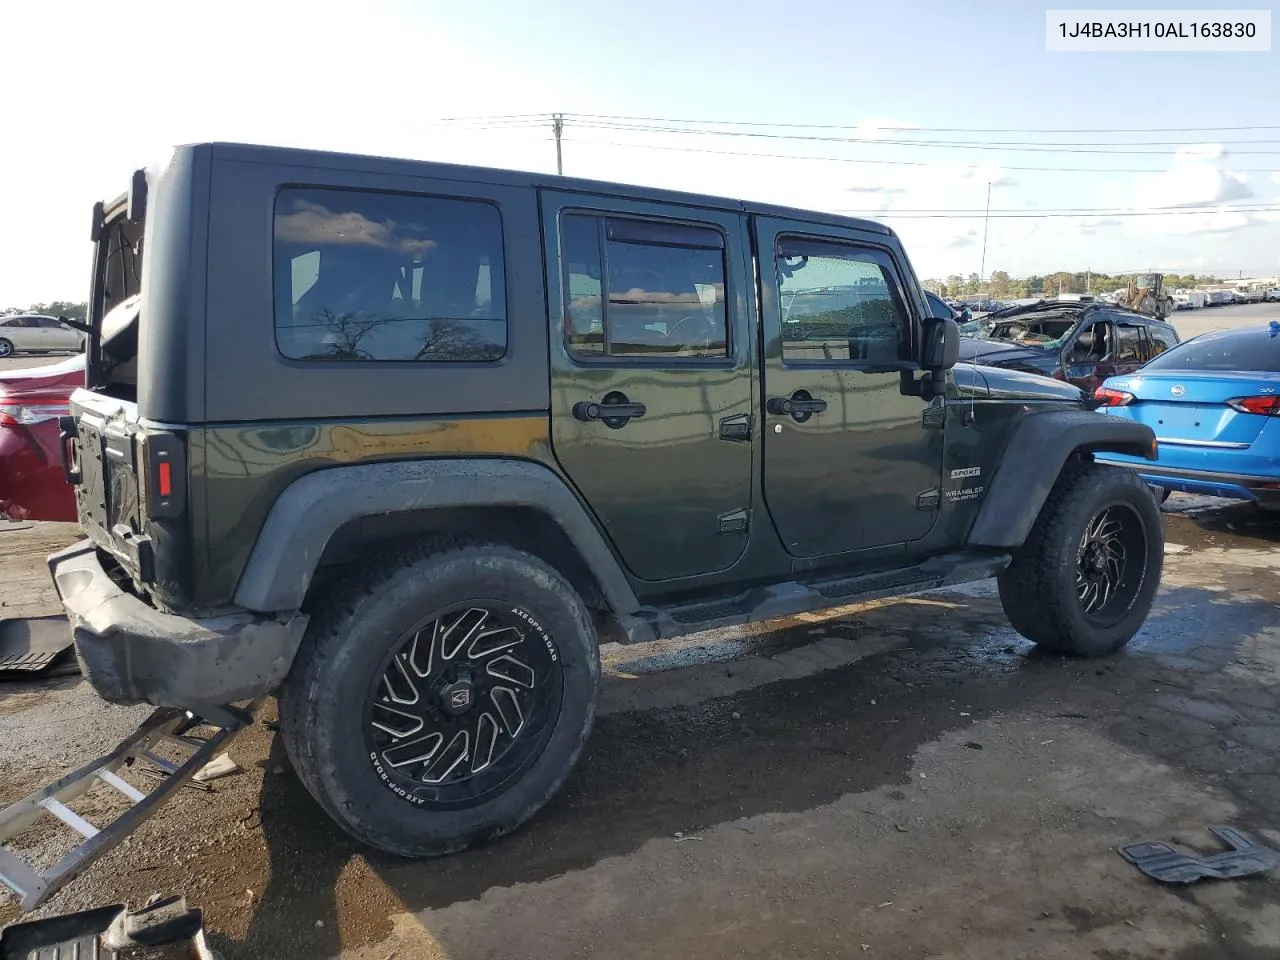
(1079, 343)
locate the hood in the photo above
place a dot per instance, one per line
(997, 351)
(1017, 385)
(62, 377)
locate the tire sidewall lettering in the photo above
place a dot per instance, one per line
(545, 637)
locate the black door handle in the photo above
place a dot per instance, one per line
(613, 411)
(799, 406)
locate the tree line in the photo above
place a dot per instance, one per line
(1002, 286)
(57, 308)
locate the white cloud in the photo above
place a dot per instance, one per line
(1189, 186)
(1089, 227)
(1209, 223)
(1275, 177)
(1200, 151)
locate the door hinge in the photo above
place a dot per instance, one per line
(735, 522)
(935, 415)
(929, 500)
(737, 428)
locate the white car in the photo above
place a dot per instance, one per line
(29, 333)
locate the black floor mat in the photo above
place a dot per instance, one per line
(38, 646)
(111, 932)
(1162, 862)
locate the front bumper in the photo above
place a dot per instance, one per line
(132, 653)
(1263, 490)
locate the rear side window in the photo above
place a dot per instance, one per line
(1246, 350)
(1128, 343)
(363, 276)
(642, 289)
(1162, 339)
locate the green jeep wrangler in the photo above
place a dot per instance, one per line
(404, 442)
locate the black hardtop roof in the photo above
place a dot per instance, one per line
(251, 153)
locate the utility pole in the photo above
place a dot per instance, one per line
(557, 127)
(986, 219)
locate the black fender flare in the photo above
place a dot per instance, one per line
(314, 507)
(1032, 460)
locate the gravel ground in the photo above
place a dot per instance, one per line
(904, 779)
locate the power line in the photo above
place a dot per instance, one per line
(540, 117)
(884, 163)
(1009, 146)
(836, 126)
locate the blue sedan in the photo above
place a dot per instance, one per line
(1214, 404)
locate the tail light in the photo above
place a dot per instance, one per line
(26, 415)
(1107, 397)
(164, 460)
(1264, 406)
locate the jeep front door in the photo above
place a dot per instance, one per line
(651, 375)
(851, 461)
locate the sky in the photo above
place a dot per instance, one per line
(93, 90)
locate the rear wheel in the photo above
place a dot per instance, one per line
(1084, 580)
(441, 700)
(6, 348)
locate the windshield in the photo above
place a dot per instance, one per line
(1046, 332)
(1227, 350)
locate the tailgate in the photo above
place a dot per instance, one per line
(105, 462)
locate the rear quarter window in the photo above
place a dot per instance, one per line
(361, 276)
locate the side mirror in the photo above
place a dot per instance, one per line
(941, 349)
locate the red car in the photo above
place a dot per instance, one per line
(32, 484)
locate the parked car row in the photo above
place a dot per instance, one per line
(32, 333)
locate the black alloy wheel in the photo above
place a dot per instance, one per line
(462, 704)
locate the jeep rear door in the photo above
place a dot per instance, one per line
(651, 371)
(850, 462)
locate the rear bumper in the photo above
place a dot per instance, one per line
(132, 653)
(1232, 486)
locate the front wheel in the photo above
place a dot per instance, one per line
(1084, 580)
(442, 698)
(6, 348)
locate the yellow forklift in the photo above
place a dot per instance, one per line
(1145, 294)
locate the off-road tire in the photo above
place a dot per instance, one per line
(349, 636)
(1038, 589)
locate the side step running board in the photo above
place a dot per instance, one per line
(166, 726)
(790, 598)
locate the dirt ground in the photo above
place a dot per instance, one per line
(902, 779)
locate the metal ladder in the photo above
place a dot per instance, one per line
(165, 725)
